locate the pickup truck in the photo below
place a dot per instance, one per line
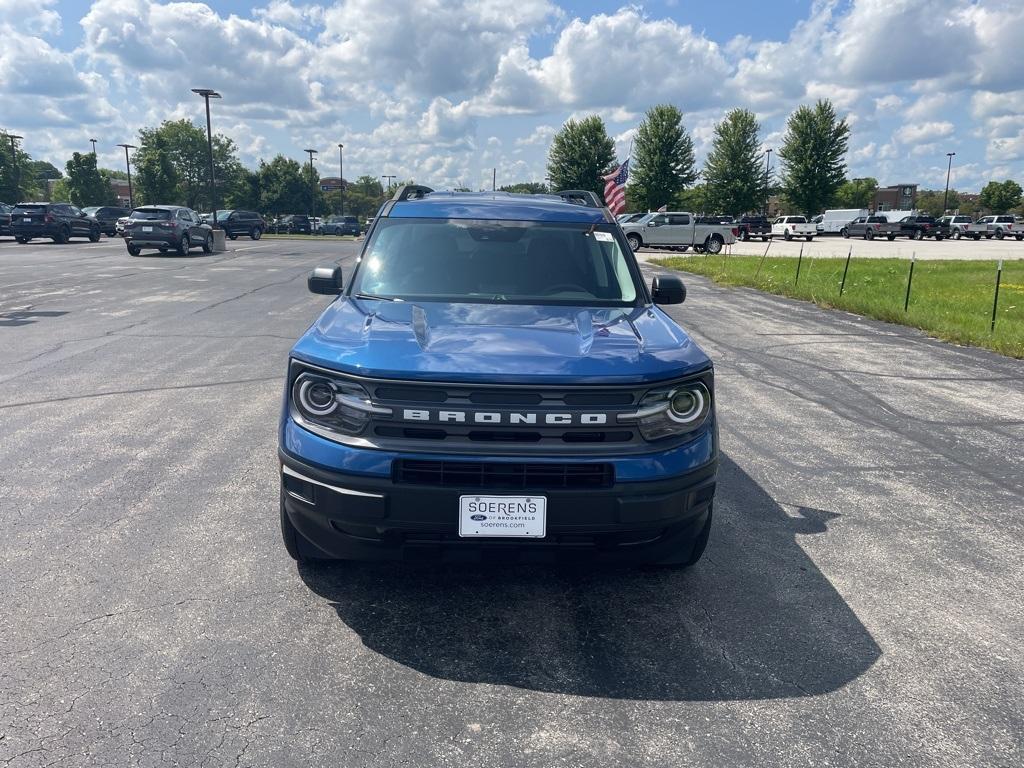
(920, 227)
(999, 227)
(870, 227)
(677, 230)
(753, 226)
(494, 382)
(961, 226)
(788, 227)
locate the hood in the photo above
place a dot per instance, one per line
(499, 343)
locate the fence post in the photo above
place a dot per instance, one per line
(995, 300)
(910, 279)
(799, 261)
(758, 273)
(842, 285)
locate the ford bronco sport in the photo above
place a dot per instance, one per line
(496, 383)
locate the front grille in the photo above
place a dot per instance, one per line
(501, 475)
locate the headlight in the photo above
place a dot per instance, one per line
(671, 412)
(332, 403)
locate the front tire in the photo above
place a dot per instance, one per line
(255, 233)
(845, 233)
(232, 236)
(94, 236)
(635, 243)
(184, 245)
(208, 244)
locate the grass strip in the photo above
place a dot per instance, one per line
(270, 236)
(950, 299)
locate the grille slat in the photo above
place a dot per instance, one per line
(502, 475)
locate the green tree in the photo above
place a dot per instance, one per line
(187, 150)
(999, 197)
(60, 192)
(17, 182)
(85, 184)
(156, 179)
(282, 189)
(40, 169)
(364, 197)
(245, 191)
(733, 172)
(662, 164)
(526, 188)
(580, 154)
(930, 201)
(814, 156)
(316, 205)
(856, 193)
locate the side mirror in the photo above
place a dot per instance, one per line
(668, 289)
(652, 223)
(325, 280)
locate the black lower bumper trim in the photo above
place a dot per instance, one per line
(359, 518)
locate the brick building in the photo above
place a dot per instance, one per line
(901, 197)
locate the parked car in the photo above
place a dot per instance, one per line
(556, 414)
(678, 230)
(870, 227)
(293, 225)
(788, 227)
(5, 219)
(316, 225)
(960, 226)
(106, 216)
(753, 226)
(341, 225)
(121, 224)
(832, 221)
(1000, 226)
(920, 227)
(167, 228)
(57, 221)
(236, 222)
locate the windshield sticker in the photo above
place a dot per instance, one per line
(604, 237)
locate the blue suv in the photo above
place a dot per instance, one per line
(497, 383)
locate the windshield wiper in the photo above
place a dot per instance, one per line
(375, 297)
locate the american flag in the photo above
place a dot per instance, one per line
(615, 188)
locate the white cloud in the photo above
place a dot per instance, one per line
(915, 133)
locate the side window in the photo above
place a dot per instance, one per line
(679, 219)
(660, 219)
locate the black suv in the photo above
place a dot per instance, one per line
(167, 227)
(106, 216)
(294, 225)
(754, 226)
(235, 223)
(57, 221)
(341, 225)
(5, 219)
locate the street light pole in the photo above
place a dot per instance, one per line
(767, 164)
(390, 178)
(949, 168)
(15, 167)
(341, 175)
(127, 165)
(312, 187)
(93, 147)
(208, 94)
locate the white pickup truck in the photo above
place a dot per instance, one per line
(788, 227)
(677, 230)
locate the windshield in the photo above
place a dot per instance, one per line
(90, 210)
(516, 262)
(151, 214)
(223, 215)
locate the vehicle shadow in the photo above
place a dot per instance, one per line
(755, 619)
(26, 317)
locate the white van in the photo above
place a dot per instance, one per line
(832, 222)
(894, 216)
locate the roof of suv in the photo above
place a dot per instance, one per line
(501, 206)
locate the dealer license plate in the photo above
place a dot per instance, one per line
(510, 516)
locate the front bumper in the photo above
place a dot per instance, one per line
(374, 516)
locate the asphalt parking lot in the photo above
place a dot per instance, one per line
(861, 602)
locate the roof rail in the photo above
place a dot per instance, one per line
(580, 197)
(411, 192)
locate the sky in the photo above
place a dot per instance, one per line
(442, 91)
